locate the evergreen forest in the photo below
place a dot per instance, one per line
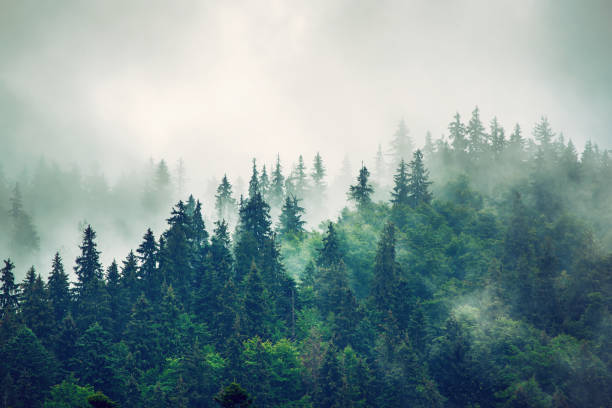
(474, 270)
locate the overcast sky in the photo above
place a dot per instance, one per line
(219, 82)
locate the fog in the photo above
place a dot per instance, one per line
(105, 86)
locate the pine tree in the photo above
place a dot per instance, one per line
(117, 300)
(301, 179)
(148, 271)
(225, 203)
(8, 295)
(254, 186)
(329, 388)
(141, 334)
(257, 308)
(31, 367)
(401, 189)
(36, 311)
(542, 133)
(291, 223)
(24, 238)
(264, 182)
(330, 254)
(402, 144)
(418, 182)
(362, 191)
(59, 289)
(476, 133)
(516, 144)
(90, 292)
(497, 137)
(233, 396)
(384, 291)
(457, 135)
(318, 181)
(130, 283)
(277, 187)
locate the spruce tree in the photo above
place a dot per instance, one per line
(117, 300)
(476, 133)
(141, 334)
(330, 254)
(418, 182)
(225, 203)
(402, 143)
(257, 310)
(301, 179)
(36, 312)
(24, 238)
(277, 187)
(148, 271)
(401, 189)
(384, 290)
(457, 133)
(291, 223)
(264, 182)
(254, 186)
(329, 388)
(59, 289)
(318, 181)
(361, 192)
(90, 292)
(8, 295)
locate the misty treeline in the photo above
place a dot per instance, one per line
(474, 272)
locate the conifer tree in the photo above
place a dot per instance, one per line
(277, 187)
(401, 189)
(497, 137)
(148, 271)
(24, 238)
(385, 281)
(329, 388)
(31, 367)
(225, 203)
(59, 289)
(264, 182)
(117, 300)
(291, 223)
(542, 133)
(8, 295)
(254, 186)
(457, 135)
(361, 192)
(330, 253)
(476, 133)
(36, 311)
(130, 282)
(318, 173)
(90, 292)
(301, 179)
(257, 308)
(402, 143)
(233, 396)
(380, 166)
(419, 183)
(141, 334)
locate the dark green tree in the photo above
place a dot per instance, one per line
(36, 312)
(401, 188)
(291, 223)
(329, 388)
(148, 271)
(59, 289)
(361, 192)
(277, 187)
(31, 368)
(225, 203)
(233, 396)
(8, 296)
(384, 291)
(418, 182)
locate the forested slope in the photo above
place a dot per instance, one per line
(476, 272)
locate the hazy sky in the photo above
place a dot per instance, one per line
(219, 82)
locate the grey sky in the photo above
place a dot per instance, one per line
(219, 82)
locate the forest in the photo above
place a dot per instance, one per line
(472, 271)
